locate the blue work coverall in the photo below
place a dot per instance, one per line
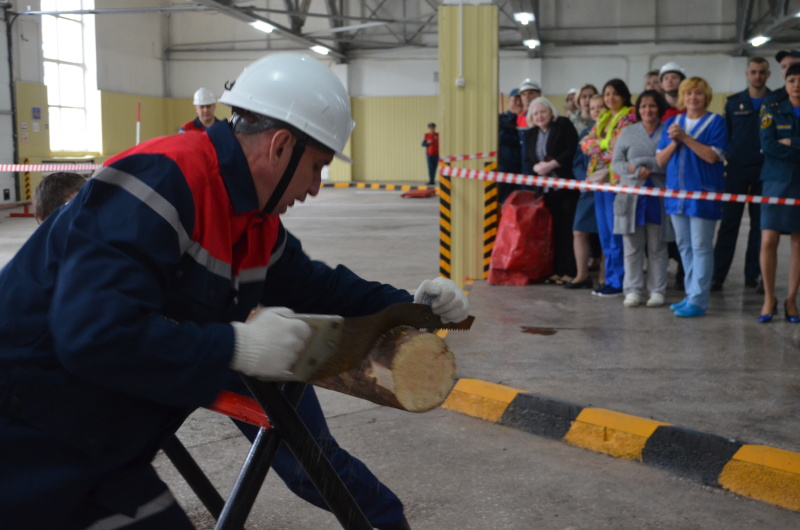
(116, 327)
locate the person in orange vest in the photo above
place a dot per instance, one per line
(431, 145)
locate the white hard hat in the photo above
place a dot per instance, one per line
(671, 67)
(204, 96)
(529, 85)
(299, 90)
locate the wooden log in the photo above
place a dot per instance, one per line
(407, 369)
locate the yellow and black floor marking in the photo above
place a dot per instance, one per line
(756, 471)
(376, 186)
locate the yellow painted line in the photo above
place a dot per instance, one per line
(613, 433)
(764, 473)
(480, 399)
(763, 455)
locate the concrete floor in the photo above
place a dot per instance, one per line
(724, 374)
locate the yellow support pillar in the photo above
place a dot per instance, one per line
(468, 80)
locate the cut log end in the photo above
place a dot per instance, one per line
(407, 369)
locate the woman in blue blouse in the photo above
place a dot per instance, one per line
(692, 147)
(780, 143)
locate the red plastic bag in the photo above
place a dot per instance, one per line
(523, 250)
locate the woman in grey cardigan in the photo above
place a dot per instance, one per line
(640, 218)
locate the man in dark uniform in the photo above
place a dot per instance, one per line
(742, 175)
(116, 327)
(508, 146)
(785, 59)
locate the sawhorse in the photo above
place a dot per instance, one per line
(281, 423)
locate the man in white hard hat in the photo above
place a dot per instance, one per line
(205, 103)
(671, 75)
(130, 322)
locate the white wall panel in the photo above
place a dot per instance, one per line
(129, 51)
(396, 77)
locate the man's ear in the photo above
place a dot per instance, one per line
(281, 144)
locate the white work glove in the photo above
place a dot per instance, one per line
(269, 343)
(445, 298)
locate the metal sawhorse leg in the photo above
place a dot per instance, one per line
(279, 402)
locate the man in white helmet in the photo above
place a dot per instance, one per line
(131, 321)
(205, 103)
(671, 75)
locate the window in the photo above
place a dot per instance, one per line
(68, 49)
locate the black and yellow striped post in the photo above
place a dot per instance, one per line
(27, 183)
(490, 218)
(445, 228)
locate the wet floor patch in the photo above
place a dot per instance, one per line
(538, 331)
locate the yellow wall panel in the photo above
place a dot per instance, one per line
(32, 145)
(118, 113)
(387, 140)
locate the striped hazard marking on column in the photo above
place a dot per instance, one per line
(490, 219)
(445, 227)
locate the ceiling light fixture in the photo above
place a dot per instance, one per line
(262, 26)
(758, 41)
(531, 43)
(322, 50)
(524, 18)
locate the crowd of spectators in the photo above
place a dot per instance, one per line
(665, 138)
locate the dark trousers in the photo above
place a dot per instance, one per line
(433, 161)
(379, 504)
(743, 180)
(562, 204)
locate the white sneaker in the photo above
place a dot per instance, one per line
(631, 300)
(655, 300)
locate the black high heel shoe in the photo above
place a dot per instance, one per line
(768, 317)
(794, 319)
(585, 284)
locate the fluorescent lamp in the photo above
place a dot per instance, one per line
(262, 26)
(758, 41)
(524, 18)
(531, 43)
(322, 50)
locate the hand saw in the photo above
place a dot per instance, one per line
(338, 344)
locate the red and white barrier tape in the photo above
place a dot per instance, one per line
(49, 167)
(529, 180)
(490, 154)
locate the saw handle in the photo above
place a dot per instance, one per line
(326, 333)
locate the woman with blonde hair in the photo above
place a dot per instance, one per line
(581, 117)
(692, 148)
